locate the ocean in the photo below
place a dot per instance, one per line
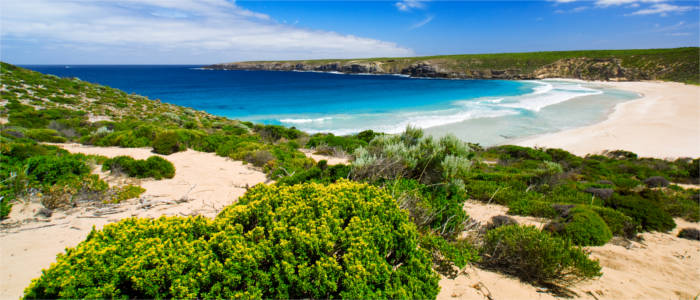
(483, 111)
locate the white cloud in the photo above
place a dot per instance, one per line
(573, 10)
(422, 23)
(679, 34)
(563, 1)
(407, 5)
(202, 30)
(606, 3)
(679, 25)
(662, 9)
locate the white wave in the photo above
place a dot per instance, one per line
(305, 121)
(543, 87)
(554, 93)
(396, 123)
(543, 95)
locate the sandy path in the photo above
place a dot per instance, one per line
(662, 266)
(664, 123)
(208, 182)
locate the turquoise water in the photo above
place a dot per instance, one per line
(484, 111)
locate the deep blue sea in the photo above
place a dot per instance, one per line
(485, 111)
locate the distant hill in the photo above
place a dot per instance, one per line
(678, 64)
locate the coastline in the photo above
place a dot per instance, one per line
(663, 123)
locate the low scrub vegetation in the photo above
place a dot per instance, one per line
(155, 167)
(345, 240)
(536, 256)
(582, 226)
(56, 177)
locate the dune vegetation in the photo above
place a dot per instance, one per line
(383, 226)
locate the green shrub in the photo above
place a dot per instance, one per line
(367, 135)
(436, 208)
(676, 201)
(5, 204)
(126, 192)
(517, 152)
(565, 159)
(274, 133)
(155, 166)
(321, 173)
(345, 143)
(619, 223)
(690, 234)
(644, 212)
(45, 135)
(259, 158)
(167, 143)
(582, 226)
(411, 155)
(448, 254)
(535, 208)
(51, 169)
(345, 240)
(536, 256)
(159, 167)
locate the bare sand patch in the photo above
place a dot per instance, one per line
(332, 160)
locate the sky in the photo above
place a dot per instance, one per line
(215, 31)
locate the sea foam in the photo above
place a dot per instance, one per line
(543, 94)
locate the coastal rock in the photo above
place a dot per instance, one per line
(590, 69)
(517, 67)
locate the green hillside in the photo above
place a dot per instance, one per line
(678, 64)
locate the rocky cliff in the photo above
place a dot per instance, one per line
(680, 64)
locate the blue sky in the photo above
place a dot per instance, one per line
(211, 31)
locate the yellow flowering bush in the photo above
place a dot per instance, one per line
(344, 240)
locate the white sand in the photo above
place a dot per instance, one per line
(664, 123)
(663, 266)
(332, 160)
(205, 183)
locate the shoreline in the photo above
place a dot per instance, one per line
(663, 123)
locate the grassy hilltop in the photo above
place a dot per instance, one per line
(678, 64)
(382, 226)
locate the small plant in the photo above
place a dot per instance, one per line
(582, 226)
(644, 212)
(45, 135)
(619, 223)
(498, 221)
(656, 181)
(536, 256)
(5, 204)
(155, 166)
(535, 208)
(690, 234)
(167, 143)
(259, 158)
(126, 192)
(50, 169)
(602, 193)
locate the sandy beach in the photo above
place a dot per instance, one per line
(663, 123)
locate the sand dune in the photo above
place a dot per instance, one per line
(661, 266)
